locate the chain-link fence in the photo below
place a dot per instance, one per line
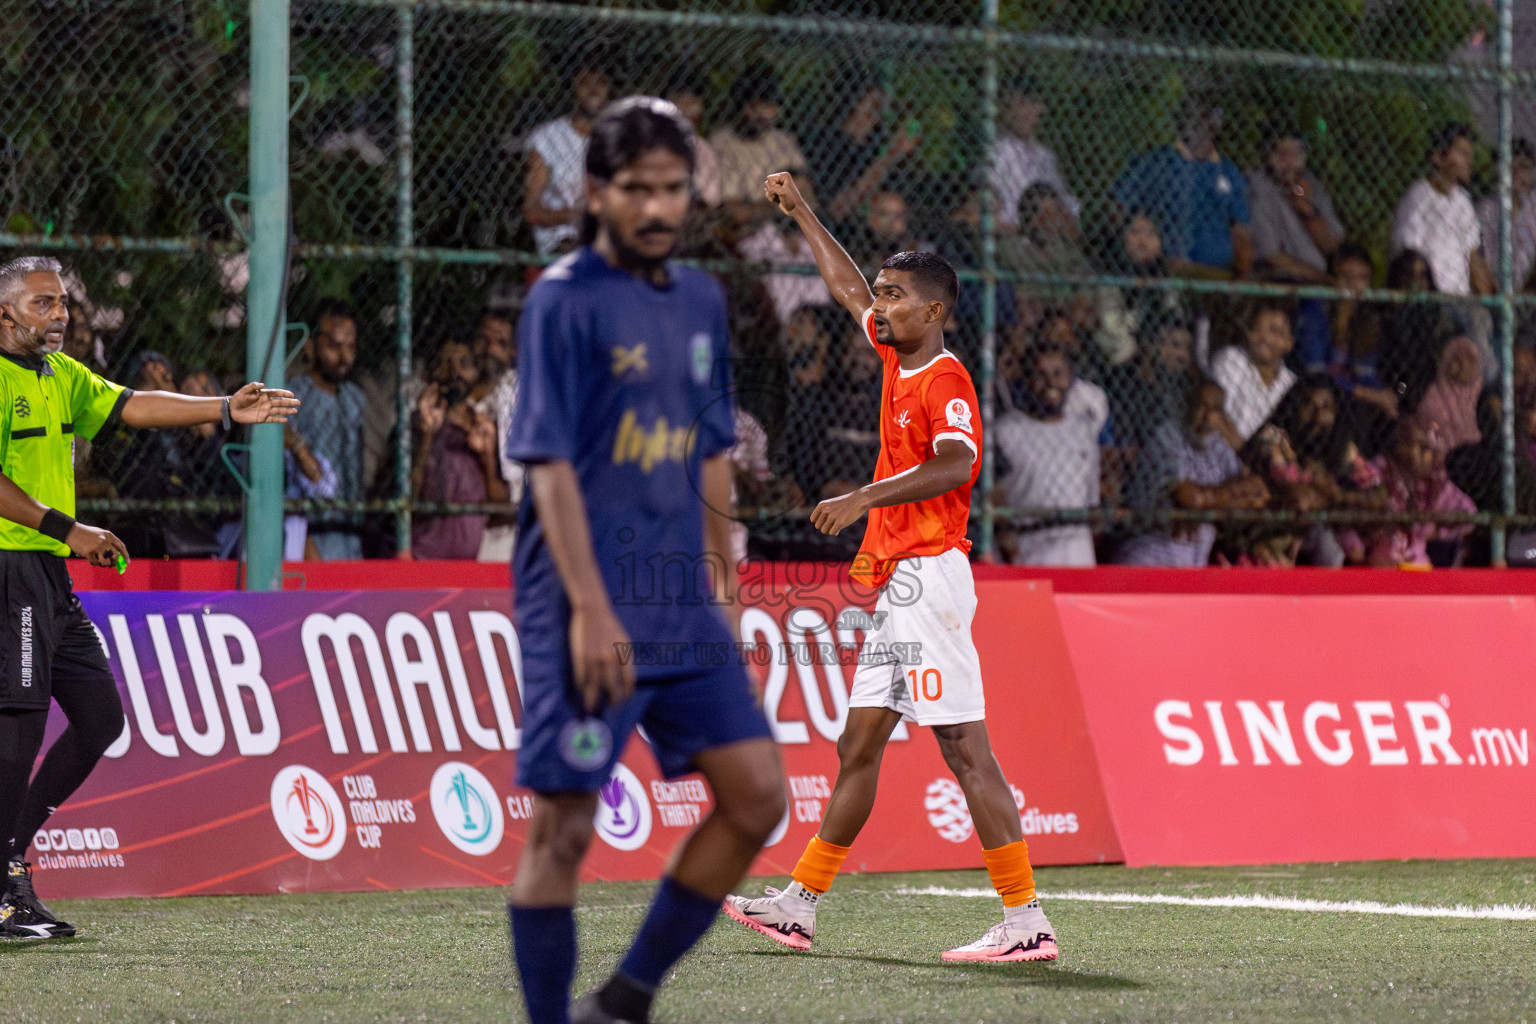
(1185, 233)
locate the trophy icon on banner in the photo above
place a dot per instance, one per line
(614, 796)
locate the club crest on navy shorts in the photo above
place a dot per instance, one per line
(585, 743)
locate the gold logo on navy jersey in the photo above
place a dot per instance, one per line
(647, 446)
(627, 359)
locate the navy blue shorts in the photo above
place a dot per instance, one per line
(566, 751)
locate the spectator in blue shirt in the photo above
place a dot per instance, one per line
(332, 424)
(1197, 197)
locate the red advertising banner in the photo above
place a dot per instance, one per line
(1251, 729)
(327, 740)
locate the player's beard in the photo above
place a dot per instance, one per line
(39, 336)
(633, 259)
(335, 374)
(883, 334)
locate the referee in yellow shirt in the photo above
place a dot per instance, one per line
(48, 648)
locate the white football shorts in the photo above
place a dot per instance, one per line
(919, 659)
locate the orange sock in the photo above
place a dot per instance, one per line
(819, 864)
(1011, 874)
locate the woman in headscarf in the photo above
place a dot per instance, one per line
(1315, 416)
(1448, 409)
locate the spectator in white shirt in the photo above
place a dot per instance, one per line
(1018, 158)
(1051, 449)
(1253, 374)
(1436, 217)
(554, 196)
(1522, 170)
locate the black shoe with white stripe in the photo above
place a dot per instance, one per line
(22, 914)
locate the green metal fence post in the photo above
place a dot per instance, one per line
(405, 267)
(1498, 538)
(266, 314)
(989, 281)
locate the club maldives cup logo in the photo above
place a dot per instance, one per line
(308, 812)
(467, 808)
(623, 811)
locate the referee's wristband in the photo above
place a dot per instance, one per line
(57, 525)
(224, 415)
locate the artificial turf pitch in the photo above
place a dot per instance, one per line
(442, 955)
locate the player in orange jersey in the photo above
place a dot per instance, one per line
(918, 507)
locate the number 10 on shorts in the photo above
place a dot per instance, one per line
(932, 687)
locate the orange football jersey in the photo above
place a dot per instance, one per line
(918, 409)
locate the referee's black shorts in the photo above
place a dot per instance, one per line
(46, 638)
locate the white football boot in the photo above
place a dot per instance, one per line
(786, 916)
(1024, 934)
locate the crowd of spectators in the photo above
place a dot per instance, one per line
(1118, 403)
(1115, 401)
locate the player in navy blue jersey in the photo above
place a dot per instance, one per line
(625, 588)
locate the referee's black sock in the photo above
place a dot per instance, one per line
(21, 736)
(69, 762)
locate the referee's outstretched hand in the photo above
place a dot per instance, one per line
(257, 403)
(95, 545)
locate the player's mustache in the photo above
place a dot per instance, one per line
(656, 227)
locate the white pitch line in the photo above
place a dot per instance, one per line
(1502, 912)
